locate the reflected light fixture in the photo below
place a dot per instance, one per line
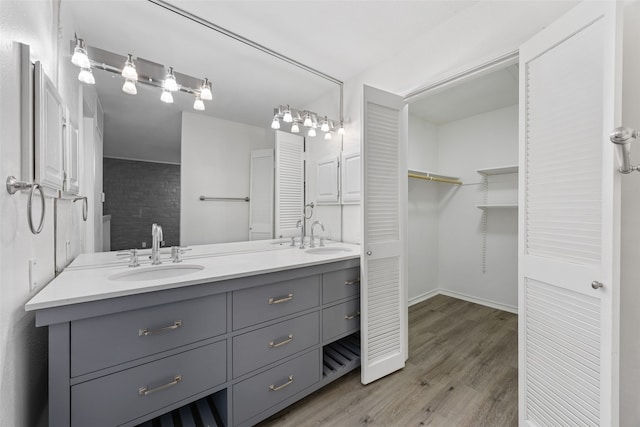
(295, 128)
(325, 125)
(341, 129)
(80, 57)
(287, 118)
(166, 96)
(129, 87)
(205, 91)
(170, 82)
(307, 120)
(198, 104)
(312, 132)
(275, 124)
(327, 136)
(129, 70)
(86, 76)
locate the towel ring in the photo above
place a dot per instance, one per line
(13, 186)
(85, 207)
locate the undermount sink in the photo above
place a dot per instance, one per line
(327, 250)
(157, 272)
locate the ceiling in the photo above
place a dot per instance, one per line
(471, 97)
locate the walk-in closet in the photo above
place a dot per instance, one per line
(463, 190)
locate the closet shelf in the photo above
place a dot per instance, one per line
(498, 170)
(497, 206)
(430, 176)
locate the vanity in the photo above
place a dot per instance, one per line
(232, 338)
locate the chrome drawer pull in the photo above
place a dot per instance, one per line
(353, 316)
(352, 282)
(145, 332)
(280, 300)
(143, 391)
(281, 343)
(272, 387)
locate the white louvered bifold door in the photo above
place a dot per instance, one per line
(261, 195)
(383, 282)
(568, 221)
(289, 183)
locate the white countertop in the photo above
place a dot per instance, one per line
(88, 277)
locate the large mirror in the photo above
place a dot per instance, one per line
(158, 159)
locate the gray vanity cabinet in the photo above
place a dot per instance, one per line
(240, 349)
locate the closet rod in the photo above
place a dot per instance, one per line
(436, 178)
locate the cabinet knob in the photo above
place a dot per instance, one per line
(369, 253)
(596, 285)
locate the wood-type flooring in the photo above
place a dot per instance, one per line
(462, 372)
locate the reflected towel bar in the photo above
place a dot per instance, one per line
(224, 199)
(435, 178)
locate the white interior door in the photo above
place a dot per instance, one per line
(261, 195)
(568, 221)
(289, 183)
(384, 328)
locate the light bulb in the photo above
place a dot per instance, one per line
(205, 91)
(129, 70)
(129, 87)
(166, 96)
(312, 132)
(80, 57)
(295, 128)
(287, 118)
(198, 104)
(327, 136)
(307, 121)
(86, 76)
(275, 124)
(325, 125)
(341, 129)
(170, 82)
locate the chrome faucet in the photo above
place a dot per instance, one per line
(300, 224)
(312, 244)
(156, 239)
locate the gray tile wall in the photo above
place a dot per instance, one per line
(137, 194)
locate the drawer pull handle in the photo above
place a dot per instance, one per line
(352, 282)
(145, 332)
(143, 391)
(273, 387)
(280, 300)
(281, 343)
(353, 316)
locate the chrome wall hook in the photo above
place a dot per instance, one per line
(13, 186)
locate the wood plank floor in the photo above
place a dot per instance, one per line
(462, 371)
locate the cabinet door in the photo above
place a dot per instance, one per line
(350, 169)
(71, 159)
(49, 132)
(327, 180)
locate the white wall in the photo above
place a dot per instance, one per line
(630, 271)
(215, 162)
(23, 348)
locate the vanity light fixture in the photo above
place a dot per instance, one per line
(86, 76)
(287, 117)
(129, 70)
(325, 125)
(198, 104)
(166, 96)
(307, 120)
(327, 136)
(205, 91)
(295, 128)
(275, 124)
(80, 57)
(129, 87)
(341, 129)
(312, 132)
(170, 82)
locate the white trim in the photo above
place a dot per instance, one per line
(487, 303)
(141, 160)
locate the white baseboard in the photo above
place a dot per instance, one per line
(428, 295)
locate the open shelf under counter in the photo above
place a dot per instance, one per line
(501, 170)
(497, 206)
(431, 176)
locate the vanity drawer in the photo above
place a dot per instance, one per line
(340, 319)
(104, 341)
(267, 345)
(340, 284)
(118, 398)
(262, 303)
(259, 393)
